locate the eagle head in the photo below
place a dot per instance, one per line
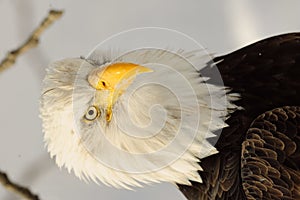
(143, 117)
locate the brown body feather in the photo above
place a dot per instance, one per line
(271, 155)
(259, 153)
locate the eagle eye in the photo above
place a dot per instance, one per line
(92, 113)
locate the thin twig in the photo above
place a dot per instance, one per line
(32, 41)
(8, 61)
(16, 188)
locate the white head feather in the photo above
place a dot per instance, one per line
(159, 128)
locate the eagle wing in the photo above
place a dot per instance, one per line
(271, 155)
(259, 152)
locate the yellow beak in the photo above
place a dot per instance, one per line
(115, 78)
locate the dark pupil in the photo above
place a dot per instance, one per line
(91, 112)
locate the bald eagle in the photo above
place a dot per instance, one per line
(150, 116)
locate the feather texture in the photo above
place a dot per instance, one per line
(271, 155)
(266, 75)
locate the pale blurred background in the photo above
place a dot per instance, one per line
(220, 26)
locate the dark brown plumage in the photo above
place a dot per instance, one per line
(271, 155)
(259, 153)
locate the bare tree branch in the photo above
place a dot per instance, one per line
(16, 188)
(8, 61)
(32, 41)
